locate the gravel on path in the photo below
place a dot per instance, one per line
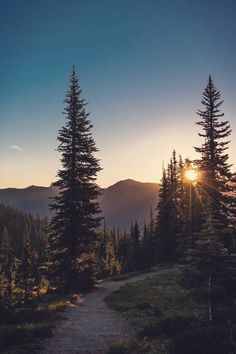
(90, 326)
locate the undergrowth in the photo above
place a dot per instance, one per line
(21, 327)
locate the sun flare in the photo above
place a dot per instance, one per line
(191, 175)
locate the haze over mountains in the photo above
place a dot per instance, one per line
(121, 203)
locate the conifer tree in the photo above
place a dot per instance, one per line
(107, 252)
(209, 263)
(136, 250)
(123, 253)
(73, 226)
(182, 192)
(190, 208)
(213, 164)
(26, 269)
(167, 214)
(6, 270)
(163, 218)
(111, 253)
(149, 242)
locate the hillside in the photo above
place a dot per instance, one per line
(121, 203)
(16, 222)
(129, 200)
(32, 199)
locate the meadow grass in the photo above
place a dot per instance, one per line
(158, 308)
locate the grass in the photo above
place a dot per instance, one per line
(20, 328)
(157, 308)
(125, 276)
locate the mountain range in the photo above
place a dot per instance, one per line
(121, 203)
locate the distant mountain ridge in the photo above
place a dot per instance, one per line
(127, 201)
(32, 199)
(121, 203)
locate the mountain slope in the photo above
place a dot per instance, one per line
(128, 201)
(123, 202)
(32, 199)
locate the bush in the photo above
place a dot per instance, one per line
(201, 294)
(149, 331)
(172, 326)
(4, 314)
(202, 341)
(143, 305)
(157, 312)
(11, 336)
(124, 347)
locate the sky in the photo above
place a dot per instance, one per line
(142, 65)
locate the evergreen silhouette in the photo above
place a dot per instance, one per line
(26, 271)
(167, 213)
(214, 167)
(135, 246)
(209, 263)
(16, 221)
(207, 267)
(6, 270)
(149, 242)
(73, 226)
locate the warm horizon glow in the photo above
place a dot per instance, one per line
(191, 174)
(141, 86)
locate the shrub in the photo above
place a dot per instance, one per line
(150, 331)
(202, 341)
(124, 347)
(172, 326)
(143, 305)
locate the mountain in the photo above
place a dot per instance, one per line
(32, 199)
(128, 201)
(123, 202)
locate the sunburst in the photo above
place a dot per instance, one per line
(191, 175)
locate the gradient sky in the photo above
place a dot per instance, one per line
(143, 65)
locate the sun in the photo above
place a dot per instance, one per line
(191, 175)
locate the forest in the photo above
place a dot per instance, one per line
(192, 228)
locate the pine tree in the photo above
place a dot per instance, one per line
(190, 208)
(111, 253)
(73, 226)
(26, 269)
(136, 249)
(209, 265)
(6, 270)
(167, 214)
(149, 242)
(163, 218)
(183, 203)
(107, 252)
(15, 221)
(123, 253)
(213, 164)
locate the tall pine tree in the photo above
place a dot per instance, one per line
(209, 263)
(213, 164)
(76, 210)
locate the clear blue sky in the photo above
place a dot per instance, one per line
(142, 65)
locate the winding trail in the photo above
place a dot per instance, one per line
(90, 325)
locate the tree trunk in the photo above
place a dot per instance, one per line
(210, 297)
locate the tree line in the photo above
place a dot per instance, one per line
(23, 243)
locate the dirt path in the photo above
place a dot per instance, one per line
(91, 326)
